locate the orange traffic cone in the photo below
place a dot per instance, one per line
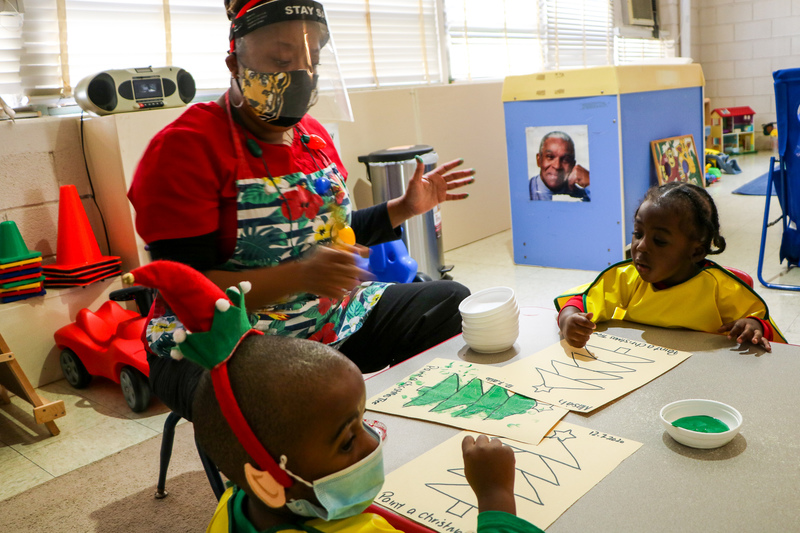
(77, 248)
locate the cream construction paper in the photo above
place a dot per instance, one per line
(461, 394)
(583, 379)
(433, 491)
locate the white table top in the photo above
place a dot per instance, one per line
(748, 485)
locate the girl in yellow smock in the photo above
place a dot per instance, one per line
(668, 281)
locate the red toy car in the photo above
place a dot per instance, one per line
(108, 343)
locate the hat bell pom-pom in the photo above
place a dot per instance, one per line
(222, 305)
(245, 286)
(179, 335)
(176, 354)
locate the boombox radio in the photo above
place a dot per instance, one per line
(134, 89)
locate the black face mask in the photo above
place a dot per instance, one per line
(279, 98)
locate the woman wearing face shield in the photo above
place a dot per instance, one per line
(251, 188)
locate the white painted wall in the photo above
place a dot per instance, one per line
(459, 121)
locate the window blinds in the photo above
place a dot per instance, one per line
(380, 42)
(113, 34)
(386, 42)
(577, 33)
(493, 39)
(630, 50)
(199, 41)
(10, 47)
(41, 53)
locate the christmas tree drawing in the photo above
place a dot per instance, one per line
(534, 469)
(588, 372)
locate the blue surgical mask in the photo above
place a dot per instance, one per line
(347, 492)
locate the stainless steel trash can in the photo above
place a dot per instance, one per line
(390, 171)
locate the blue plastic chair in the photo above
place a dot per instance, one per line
(786, 175)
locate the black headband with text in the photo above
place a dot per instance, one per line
(276, 11)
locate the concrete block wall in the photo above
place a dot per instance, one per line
(37, 157)
(740, 44)
(669, 21)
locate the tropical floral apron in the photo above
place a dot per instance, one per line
(283, 218)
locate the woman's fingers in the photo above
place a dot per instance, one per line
(455, 184)
(446, 167)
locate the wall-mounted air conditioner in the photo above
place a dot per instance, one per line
(638, 12)
(636, 18)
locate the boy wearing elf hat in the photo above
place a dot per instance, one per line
(282, 418)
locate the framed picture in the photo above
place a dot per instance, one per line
(676, 160)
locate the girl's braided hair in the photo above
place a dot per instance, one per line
(695, 202)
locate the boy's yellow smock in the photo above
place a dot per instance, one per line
(230, 518)
(704, 302)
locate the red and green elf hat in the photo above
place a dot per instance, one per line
(215, 323)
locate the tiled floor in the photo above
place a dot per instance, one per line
(99, 423)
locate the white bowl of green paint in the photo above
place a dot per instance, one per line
(701, 423)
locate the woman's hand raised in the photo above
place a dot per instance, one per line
(426, 191)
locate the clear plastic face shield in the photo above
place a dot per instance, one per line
(288, 62)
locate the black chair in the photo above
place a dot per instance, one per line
(167, 438)
(143, 296)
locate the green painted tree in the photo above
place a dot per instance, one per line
(495, 404)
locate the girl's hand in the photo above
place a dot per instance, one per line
(426, 191)
(331, 271)
(746, 330)
(489, 469)
(576, 327)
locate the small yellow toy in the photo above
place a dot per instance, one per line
(346, 235)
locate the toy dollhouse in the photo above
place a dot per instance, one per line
(732, 130)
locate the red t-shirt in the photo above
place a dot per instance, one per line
(185, 184)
